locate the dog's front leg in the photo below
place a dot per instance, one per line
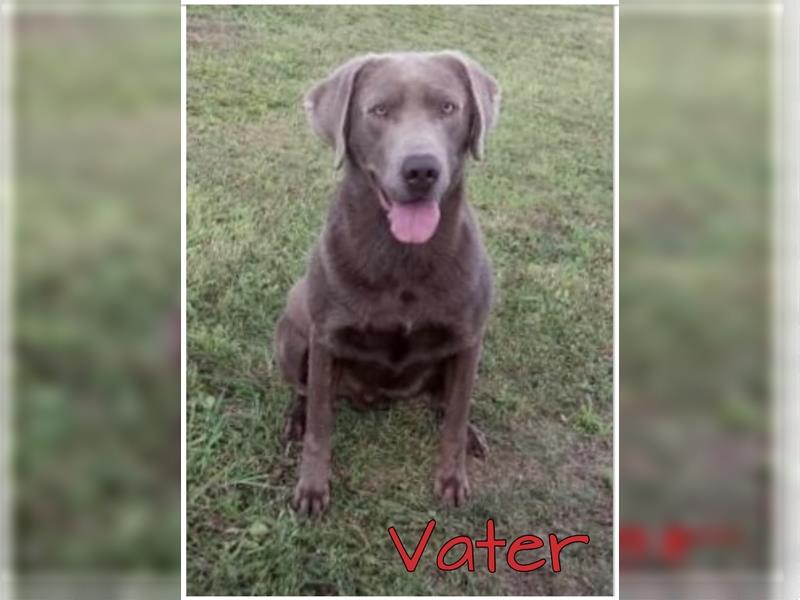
(450, 481)
(312, 494)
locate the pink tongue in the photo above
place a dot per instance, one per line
(415, 222)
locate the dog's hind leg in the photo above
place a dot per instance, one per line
(294, 423)
(291, 351)
(477, 445)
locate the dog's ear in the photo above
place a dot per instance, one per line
(327, 105)
(484, 93)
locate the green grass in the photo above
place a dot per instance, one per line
(696, 404)
(96, 271)
(259, 183)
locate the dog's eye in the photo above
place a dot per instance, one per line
(448, 108)
(379, 110)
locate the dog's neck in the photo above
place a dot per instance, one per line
(358, 234)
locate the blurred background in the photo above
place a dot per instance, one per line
(96, 300)
(697, 89)
(96, 296)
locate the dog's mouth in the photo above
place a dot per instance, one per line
(412, 222)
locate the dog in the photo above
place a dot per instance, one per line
(398, 289)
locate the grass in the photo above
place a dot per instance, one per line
(258, 184)
(696, 403)
(96, 271)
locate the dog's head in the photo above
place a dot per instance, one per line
(408, 120)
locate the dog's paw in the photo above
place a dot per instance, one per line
(294, 424)
(452, 487)
(311, 497)
(477, 445)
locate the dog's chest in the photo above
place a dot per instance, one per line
(396, 344)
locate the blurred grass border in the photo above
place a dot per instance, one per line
(97, 268)
(696, 403)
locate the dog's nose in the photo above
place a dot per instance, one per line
(420, 172)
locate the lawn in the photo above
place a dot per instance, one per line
(94, 258)
(698, 398)
(258, 186)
